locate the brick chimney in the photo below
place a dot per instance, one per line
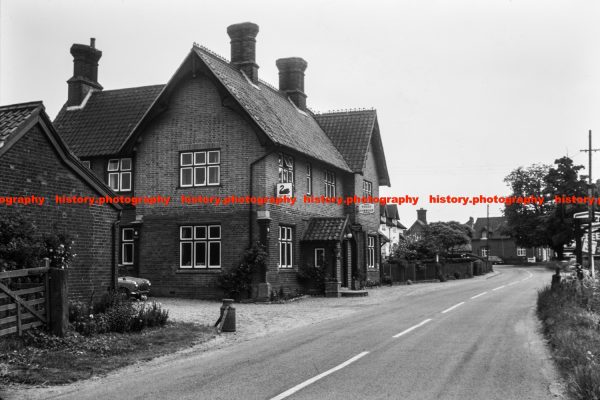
(85, 72)
(422, 215)
(243, 48)
(291, 79)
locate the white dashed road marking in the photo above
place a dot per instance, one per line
(478, 295)
(453, 307)
(499, 287)
(412, 328)
(312, 380)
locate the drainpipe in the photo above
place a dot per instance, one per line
(114, 238)
(250, 226)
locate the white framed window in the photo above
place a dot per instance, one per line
(521, 252)
(367, 188)
(286, 242)
(484, 252)
(319, 257)
(200, 168)
(119, 174)
(370, 252)
(127, 246)
(200, 246)
(329, 184)
(285, 168)
(308, 179)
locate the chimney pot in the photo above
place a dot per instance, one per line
(291, 79)
(93, 43)
(243, 48)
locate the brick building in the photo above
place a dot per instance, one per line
(490, 238)
(34, 161)
(391, 227)
(215, 129)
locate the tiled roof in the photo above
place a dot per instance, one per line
(276, 115)
(325, 229)
(350, 132)
(109, 116)
(497, 225)
(13, 116)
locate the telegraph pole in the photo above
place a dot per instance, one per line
(591, 203)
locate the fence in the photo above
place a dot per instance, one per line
(24, 300)
(404, 271)
(33, 297)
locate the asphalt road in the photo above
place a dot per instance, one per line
(475, 340)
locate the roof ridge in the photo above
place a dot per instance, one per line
(18, 106)
(131, 88)
(345, 111)
(212, 53)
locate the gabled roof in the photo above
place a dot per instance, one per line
(353, 132)
(388, 213)
(17, 120)
(496, 227)
(106, 120)
(275, 113)
(326, 229)
(13, 117)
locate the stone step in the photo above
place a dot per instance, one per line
(354, 293)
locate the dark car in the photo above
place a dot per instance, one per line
(138, 288)
(495, 260)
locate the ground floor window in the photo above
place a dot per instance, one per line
(127, 246)
(484, 252)
(200, 246)
(521, 251)
(285, 246)
(371, 252)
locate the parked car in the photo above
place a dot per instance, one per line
(131, 286)
(496, 260)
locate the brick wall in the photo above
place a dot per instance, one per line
(32, 167)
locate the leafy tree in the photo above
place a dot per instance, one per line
(439, 238)
(548, 224)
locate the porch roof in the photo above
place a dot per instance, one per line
(326, 229)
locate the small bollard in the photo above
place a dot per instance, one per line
(227, 318)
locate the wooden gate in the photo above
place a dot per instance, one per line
(24, 299)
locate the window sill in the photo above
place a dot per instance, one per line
(199, 271)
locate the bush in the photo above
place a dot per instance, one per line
(236, 283)
(310, 275)
(20, 247)
(571, 322)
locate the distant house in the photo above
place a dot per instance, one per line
(391, 227)
(417, 229)
(490, 238)
(35, 161)
(215, 129)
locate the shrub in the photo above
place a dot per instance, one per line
(237, 282)
(19, 245)
(59, 249)
(310, 275)
(149, 317)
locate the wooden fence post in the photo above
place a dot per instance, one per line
(59, 303)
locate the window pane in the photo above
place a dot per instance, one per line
(200, 232)
(213, 175)
(127, 253)
(214, 232)
(200, 158)
(125, 164)
(214, 254)
(185, 232)
(186, 176)
(127, 234)
(214, 157)
(200, 255)
(200, 176)
(113, 181)
(186, 254)
(113, 165)
(186, 159)
(125, 181)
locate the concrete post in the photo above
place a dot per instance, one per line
(59, 302)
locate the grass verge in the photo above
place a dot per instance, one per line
(571, 322)
(39, 359)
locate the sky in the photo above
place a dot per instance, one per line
(465, 91)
